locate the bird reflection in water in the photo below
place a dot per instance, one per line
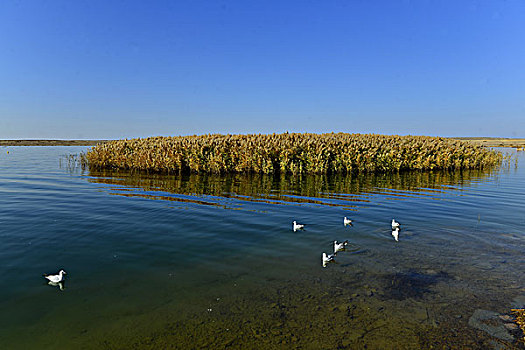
(60, 284)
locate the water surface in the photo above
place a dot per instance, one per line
(194, 261)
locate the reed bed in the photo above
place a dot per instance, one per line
(290, 153)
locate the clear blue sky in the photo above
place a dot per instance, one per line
(114, 69)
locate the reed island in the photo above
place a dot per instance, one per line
(294, 153)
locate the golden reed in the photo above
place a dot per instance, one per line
(290, 153)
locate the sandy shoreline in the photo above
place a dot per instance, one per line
(493, 141)
(50, 142)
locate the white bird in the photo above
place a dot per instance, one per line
(56, 278)
(395, 233)
(395, 224)
(297, 226)
(339, 246)
(347, 221)
(327, 259)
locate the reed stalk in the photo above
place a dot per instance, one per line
(290, 153)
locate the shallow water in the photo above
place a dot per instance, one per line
(160, 262)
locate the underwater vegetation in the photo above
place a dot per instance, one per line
(294, 153)
(520, 320)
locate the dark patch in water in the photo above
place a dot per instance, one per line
(411, 284)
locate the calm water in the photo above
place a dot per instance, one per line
(212, 262)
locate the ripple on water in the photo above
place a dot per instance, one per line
(199, 261)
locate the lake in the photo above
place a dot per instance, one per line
(195, 261)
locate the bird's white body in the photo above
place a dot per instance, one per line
(339, 246)
(297, 226)
(395, 224)
(395, 233)
(327, 259)
(347, 221)
(56, 278)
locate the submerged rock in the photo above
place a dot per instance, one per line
(499, 331)
(518, 302)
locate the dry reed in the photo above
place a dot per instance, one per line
(290, 153)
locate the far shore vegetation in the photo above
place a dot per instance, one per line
(480, 141)
(50, 142)
(293, 153)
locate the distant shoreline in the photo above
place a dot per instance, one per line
(483, 141)
(51, 142)
(493, 141)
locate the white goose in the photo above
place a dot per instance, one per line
(56, 278)
(395, 233)
(297, 226)
(347, 221)
(395, 224)
(327, 259)
(339, 246)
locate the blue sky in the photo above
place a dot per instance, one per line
(115, 69)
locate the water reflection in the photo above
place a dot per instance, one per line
(330, 190)
(395, 234)
(60, 285)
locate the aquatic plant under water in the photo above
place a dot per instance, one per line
(520, 320)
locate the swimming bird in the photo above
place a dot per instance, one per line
(297, 226)
(56, 278)
(395, 224)
(339, 246)
(327, 258)
(395, 233)
(347, 221)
